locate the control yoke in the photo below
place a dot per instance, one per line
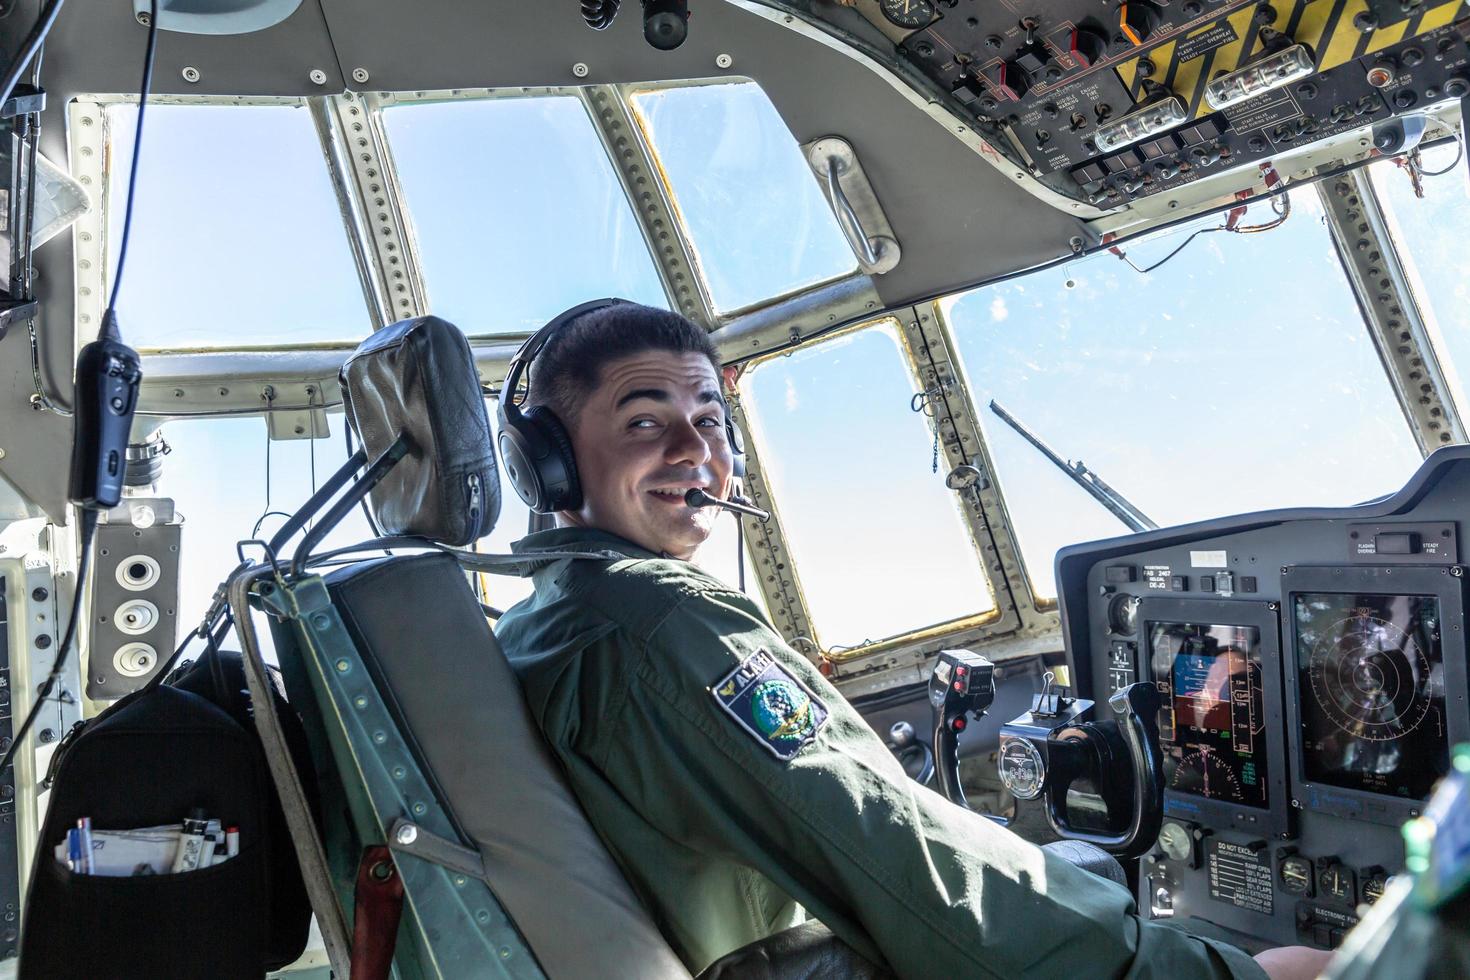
(1123, 761)
(1120, 758)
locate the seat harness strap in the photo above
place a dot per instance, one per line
(379, 907)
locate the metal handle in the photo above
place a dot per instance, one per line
(847, 217)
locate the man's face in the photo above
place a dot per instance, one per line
(653, 428)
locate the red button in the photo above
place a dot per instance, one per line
(959, 686)
(958, 724)
(961, 671)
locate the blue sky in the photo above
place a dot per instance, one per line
(1236, 377)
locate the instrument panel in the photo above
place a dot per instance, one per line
(1312, 665)
(1111, 100)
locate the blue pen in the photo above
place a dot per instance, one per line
(74, 849)
(84, 830)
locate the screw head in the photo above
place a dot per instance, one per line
(723, 60)
(317, 76)
(406, 834)
(581, 70)
(360, 75)
(143, 18)
(47, 736)
(191, 74)
(39, 595)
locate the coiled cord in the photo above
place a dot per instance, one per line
(599, 14)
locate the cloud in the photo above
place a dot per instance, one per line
(998, 310)
(793, 400)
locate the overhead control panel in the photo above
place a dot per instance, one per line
(1110, 100)
(1312, 668)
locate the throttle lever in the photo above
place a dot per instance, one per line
(962, 683)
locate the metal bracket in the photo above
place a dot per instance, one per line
(775, 572)
(456, 925)
(356, 148)
(24, 100)
(407, 837)
(308, 423)
(853, 201)
(642, 180)
(1397, 325)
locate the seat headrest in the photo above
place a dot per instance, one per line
(417, 378)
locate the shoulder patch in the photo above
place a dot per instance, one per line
(771, 705)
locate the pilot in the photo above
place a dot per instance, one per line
(734, 785)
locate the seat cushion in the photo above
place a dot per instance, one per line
(805, 952)
(422, 633)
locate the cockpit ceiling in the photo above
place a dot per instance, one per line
(914, 102)
(959, 218)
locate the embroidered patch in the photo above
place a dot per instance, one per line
(770, 704)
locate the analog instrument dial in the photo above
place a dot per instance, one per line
(1296, 875)
(1022, 769)
(1336, 882)
(1176, 841)
(1123, 615)
(912, 14)
(1373, 885)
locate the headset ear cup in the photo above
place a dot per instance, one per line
(561, 487)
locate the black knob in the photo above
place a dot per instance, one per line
(1087, 46)
(1457, 87)
(1137, 20)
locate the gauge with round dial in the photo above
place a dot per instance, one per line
(1296, 875)
(1022, 769)
(1205, 773)
(912, 14)
(1176, 841)
(1374, 884)
(1336, 882)
(1123, 615)
(1370, 677)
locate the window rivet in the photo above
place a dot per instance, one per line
(317, 76)
(191, 74)
(581, 70)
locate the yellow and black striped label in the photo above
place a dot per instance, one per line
(1185, 64)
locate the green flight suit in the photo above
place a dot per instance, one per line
(721, 837)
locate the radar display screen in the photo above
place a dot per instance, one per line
(1371, 671)
(1213, 722)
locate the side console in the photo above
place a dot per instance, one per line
(1311, 667)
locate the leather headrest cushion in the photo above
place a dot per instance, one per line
(417, 377)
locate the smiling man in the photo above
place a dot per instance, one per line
(733, 784)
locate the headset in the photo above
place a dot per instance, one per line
(534, 444)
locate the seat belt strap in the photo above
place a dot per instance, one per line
(378, 909)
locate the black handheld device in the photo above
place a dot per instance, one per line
(108, 376)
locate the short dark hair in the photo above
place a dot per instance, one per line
(569, 367)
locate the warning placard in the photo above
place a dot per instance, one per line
(1241, 876)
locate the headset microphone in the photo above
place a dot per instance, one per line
(108, 375)
(698, 498)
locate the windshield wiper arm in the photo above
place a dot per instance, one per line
(1117, 504)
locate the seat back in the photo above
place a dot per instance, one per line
(421, 633)
(415, 718)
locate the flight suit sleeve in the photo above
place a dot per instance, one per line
(733, 762)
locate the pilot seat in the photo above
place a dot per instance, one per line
(432, 773)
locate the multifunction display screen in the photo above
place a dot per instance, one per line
(1212, 724)
(1371, 671)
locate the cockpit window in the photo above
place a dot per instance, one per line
(237, 236)
(220, 508)
(1430, 234)
(757, 219)
(878, 541)
(517, 211)
(1237, 376)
